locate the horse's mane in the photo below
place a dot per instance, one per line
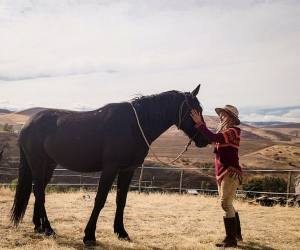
(156, 99)
(159, 104)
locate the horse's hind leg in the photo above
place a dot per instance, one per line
(124, 179)
(40, 219)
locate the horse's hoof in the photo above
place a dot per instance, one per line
(89, 241)
(39, 230)
(123, 236)
(126, 238)
(49, 232)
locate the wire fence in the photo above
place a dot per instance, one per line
(140, 183)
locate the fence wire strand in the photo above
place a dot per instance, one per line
(5, 171)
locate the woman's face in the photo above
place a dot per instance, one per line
(223, 116)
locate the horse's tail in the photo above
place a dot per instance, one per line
(23, 190)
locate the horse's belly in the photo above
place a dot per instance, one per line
(81, 167)
(79, 164)
(82, 156)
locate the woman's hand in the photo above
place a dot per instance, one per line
(196, 117)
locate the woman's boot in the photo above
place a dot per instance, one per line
(239, 236)
(230, 229)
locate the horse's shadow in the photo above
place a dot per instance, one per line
(250, 245)
(67, 242)
(76, 243)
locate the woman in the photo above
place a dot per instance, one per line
(227, 168)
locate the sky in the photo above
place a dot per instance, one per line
(81, 55)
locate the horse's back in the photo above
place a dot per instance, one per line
(73, 139)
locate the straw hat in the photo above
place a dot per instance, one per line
(230, 110)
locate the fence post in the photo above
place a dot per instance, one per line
(288, 187)
(180, 182)
(141, 176)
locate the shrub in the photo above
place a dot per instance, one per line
(7, 127)
(266, 184)
(61, 189)
(205, 184)
(13, 184)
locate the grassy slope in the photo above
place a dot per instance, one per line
(13, 119)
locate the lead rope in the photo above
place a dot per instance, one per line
(152, 152)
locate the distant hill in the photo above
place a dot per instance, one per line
(290, 129)
(18, 118)
(274, 124)
(5, 111)
(251, 132)
(285, 125)
(31, 111)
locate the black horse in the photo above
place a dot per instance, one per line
(107, 139)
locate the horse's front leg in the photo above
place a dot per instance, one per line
(107, 177)
(124, 179)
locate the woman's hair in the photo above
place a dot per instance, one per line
(228, 122)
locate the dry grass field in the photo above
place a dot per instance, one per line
(154, 221)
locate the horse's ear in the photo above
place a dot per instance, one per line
(196, 91)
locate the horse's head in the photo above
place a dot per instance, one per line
(185, 121)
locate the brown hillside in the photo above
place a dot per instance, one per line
(250, 132)
(266, 134)
(293, 132)
(278, 156)
(13, 119)
(173, 141)
(18, 118)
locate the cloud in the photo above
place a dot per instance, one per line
(12, 78)
(59, 37)
(283, 114)
(243, 52)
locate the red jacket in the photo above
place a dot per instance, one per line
(226, 149)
